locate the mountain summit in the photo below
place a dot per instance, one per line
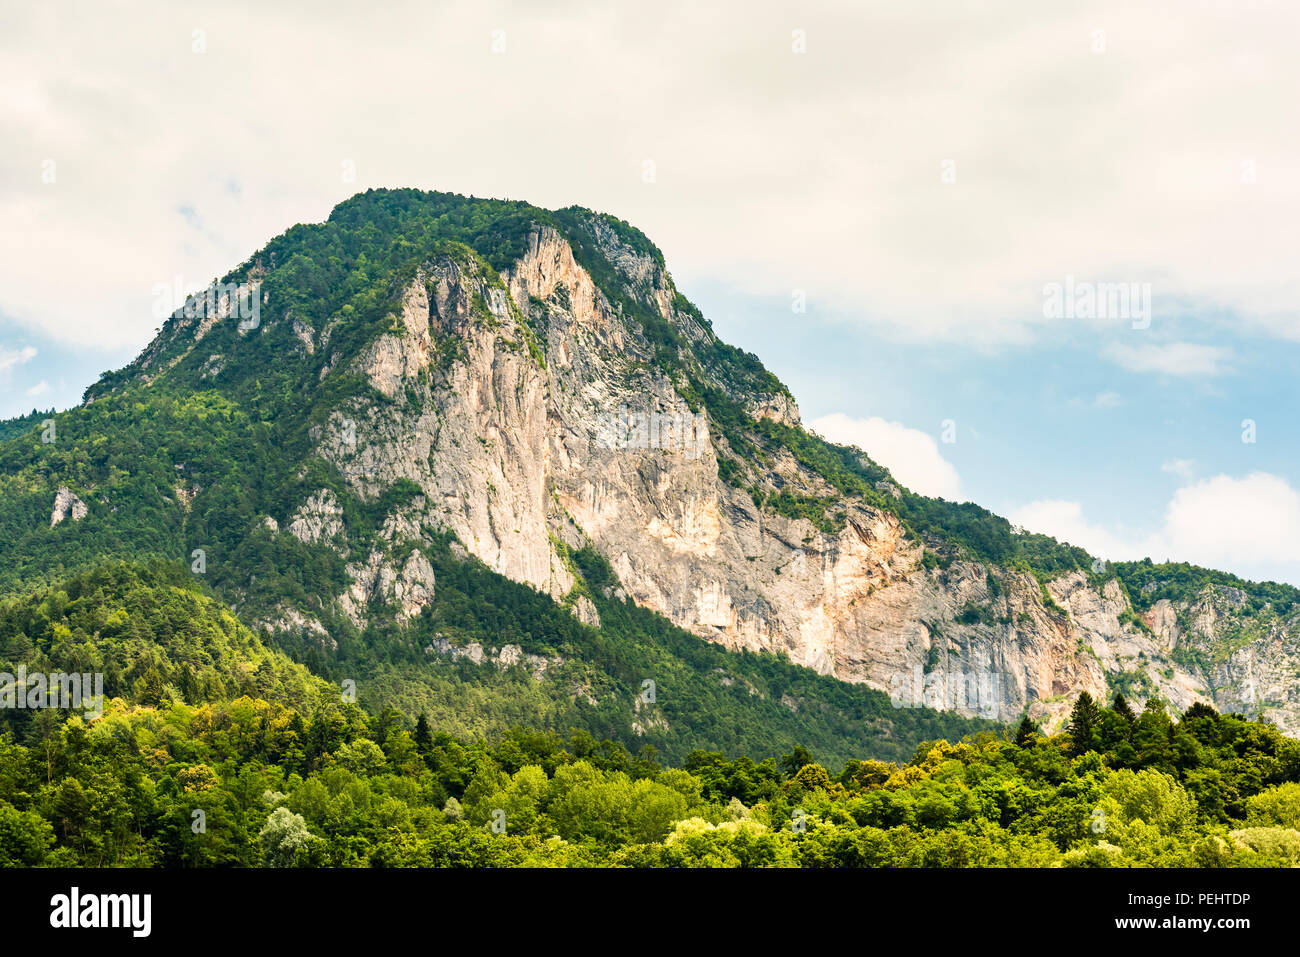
(428, 375)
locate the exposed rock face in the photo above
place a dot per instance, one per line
(503, 390)
(536, 416)
(1248, 661)
(67, 505)
(305, 336)
(292, 620)
(585, 611)
(409, 587)
(320, 517)
(507, 656)
(478, 448)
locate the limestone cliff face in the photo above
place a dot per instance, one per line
(567, 397)
(469, 420)
(67, 505)
(1249, 660)
(534, 416)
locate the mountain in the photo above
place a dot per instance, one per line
(487, 461)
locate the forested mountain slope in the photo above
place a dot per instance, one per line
(434, 388)
(213, 750)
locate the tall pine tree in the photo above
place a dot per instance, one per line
(1083, 724)
(423, 737)
(1121, 708)
(1025, 733)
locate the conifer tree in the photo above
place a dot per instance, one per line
(1083, 724)
(1121, 708)
(1025, 733)
(423, 737)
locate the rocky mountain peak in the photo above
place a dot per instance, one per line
(532, 383)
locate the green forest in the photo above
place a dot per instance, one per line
(216, 751)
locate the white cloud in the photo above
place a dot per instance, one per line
(1107, 400)
(911, 455)
(9, 358)
(1173, 358)
(1183, 468)
(40, 388)
(1065, 521)
(1249, 526)
(1228, 522)
(1159, 160)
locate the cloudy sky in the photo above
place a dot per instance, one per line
(919, 214)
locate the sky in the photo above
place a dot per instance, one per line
(1037, 256)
